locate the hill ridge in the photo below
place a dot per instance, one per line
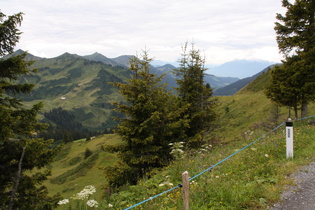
(79, 84)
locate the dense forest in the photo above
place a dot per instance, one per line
(64, 127)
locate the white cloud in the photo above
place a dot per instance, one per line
(224, 30)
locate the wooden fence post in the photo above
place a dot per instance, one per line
(185, 179)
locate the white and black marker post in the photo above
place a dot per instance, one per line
(289, 138)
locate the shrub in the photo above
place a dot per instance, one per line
(87, 153)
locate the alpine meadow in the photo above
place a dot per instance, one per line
(85, 132)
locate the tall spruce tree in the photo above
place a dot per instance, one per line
(281, 89)
(296, 41)
(151, 122)
(194, 95)
(19, 152)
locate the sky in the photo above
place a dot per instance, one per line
(223, 30)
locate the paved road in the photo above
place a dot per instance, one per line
(301, 196)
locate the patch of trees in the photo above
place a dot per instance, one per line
(293, 83)
(154, 117)
(20, 152)
(64, 127)
(63, 119)
(75, 73)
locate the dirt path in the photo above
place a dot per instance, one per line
(301, 196)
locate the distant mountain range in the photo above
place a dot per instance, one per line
(239, 68)
(233, 88)
(80, 85)
(235, 69)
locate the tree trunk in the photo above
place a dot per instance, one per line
(304, 109)
(296, 112)
(17, 180)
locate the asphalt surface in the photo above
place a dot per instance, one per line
(301, 196)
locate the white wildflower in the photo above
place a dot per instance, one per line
(92, 203)
(266, 155)
(110, 205)
(64, 201)
(161, 185)
(170, 184)
(85, 193)
(177, 151)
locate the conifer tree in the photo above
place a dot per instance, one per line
(296, 41)
(19, 151)
(151, 122)
(194, 95)
(281, 89)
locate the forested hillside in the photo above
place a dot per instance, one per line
(79, 86)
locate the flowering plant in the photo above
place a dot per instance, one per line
(177, 151)
(85, 193)
(82, 195)
(92, 203)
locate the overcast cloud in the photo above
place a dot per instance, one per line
(224, 30)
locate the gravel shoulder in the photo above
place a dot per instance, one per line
(302, 195)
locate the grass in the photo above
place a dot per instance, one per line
(71, 172)
(241, 113)
(252, 179)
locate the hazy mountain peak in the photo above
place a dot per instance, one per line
(66, 54)
(95, 55)
(239, 68)
(123, 60)
(29, 57)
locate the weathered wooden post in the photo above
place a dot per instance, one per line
(185, 180)
(289, 138)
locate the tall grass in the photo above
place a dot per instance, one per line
(252, 179)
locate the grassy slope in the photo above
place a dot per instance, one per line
(252, 179)
(243, 118)
(249, 110)
(70, 158)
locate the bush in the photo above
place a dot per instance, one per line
(87, 153)
(120, 174)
